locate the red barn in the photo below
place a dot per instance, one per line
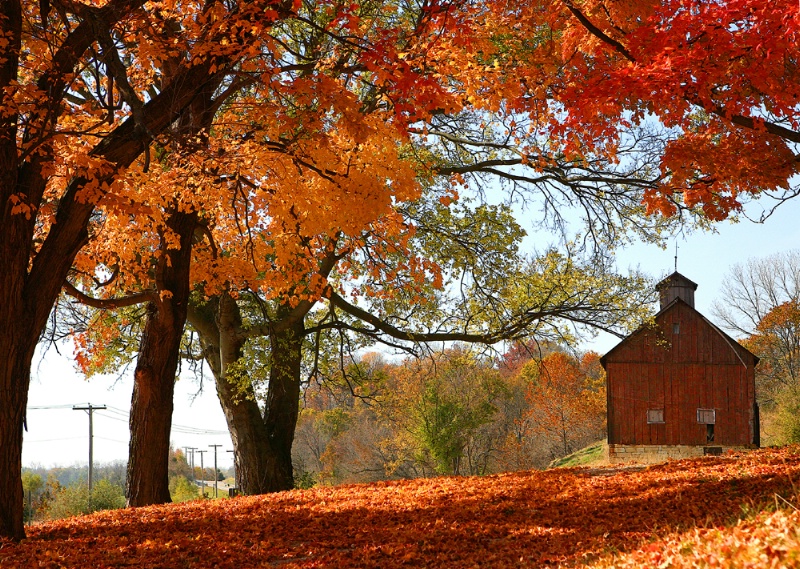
(680, 386)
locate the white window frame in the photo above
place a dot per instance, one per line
(707, 416)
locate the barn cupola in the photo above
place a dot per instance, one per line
(676, 286)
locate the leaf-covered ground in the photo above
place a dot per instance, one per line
(695, 513)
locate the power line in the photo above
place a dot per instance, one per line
(27, 441)
(113, 418)
(117, 414)
(112, 440)
(38, 407)
(121, 414)
(183, 429)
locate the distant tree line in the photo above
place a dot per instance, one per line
(60, 492)
(455, 412)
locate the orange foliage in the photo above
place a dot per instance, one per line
(769, 540)
(714, 71)
(326, 166)
(777, 342)
(682, 512)
(567, 398)
(303, 166)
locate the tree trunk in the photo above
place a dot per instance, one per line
(262, 442)
(283, 401)
(14, 382)
(27, 296)
(219, 326)
(154, 378)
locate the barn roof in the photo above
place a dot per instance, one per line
(730, 341)
(676, 279)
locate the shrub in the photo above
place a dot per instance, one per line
(73, 500)
(181, 489)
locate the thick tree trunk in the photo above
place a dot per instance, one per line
(154, 378)
(219, 326)
(262, 442)
(151, 411)
(14, 382)
(251, 445)
(283, 401)
(26, 299)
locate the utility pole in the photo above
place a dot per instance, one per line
(216, 485)
(202, 473)
(89, 410)
(191, 463)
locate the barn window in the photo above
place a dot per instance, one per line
(655, 415)
(676, 328)
(706, 416)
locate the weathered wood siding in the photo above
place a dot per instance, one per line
(696, 368)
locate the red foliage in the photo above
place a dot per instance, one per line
(525, 519)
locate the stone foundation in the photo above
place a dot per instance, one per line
(652, 454)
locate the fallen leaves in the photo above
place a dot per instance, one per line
(683, 513)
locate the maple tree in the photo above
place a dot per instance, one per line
(157, 273)
(78, 111)
(721, 78)
(567, 399)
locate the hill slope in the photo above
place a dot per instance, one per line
(600, 517)
(595, 454)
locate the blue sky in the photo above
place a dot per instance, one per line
(58, 435)
(707, 258)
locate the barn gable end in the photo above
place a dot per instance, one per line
(679, 386)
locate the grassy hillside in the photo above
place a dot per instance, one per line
(735, 509)
(593, 455)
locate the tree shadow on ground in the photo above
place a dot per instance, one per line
(540, 519)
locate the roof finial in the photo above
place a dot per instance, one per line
(676, 255)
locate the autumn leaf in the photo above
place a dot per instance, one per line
(699, 512)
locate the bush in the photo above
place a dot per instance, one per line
(787, 417)
(69, 501)
(181, 489)
(107, 496)
(73, 500)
